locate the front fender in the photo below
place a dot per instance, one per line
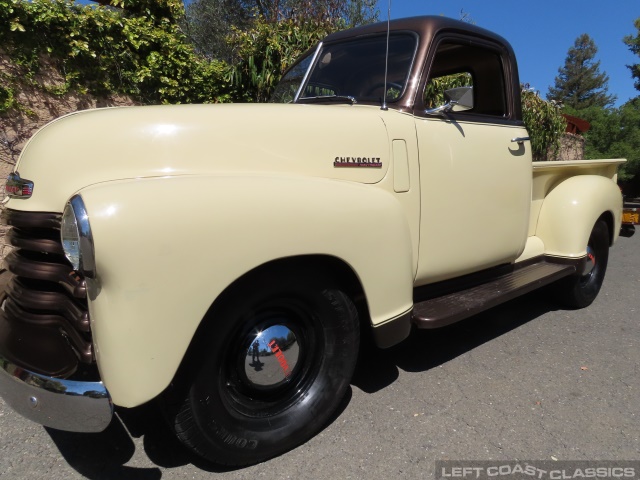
(167, 247)
(572, 208)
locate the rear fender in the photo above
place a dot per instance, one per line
(571, 209)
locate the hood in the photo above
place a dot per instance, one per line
(84, 148)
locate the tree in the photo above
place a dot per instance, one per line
(209, 23)
(580, 84)
(634, 45)
(266, 50)
(544, 123)
(353, 12)
(360, 12)
(614, 133)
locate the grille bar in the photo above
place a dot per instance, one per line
(22, 240)
(19, 263)
(81, 346)
(17, 218)
(45, 321)
(33, 298)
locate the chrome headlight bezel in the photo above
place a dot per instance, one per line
(76, 237)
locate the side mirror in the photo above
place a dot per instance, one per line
(458, 100)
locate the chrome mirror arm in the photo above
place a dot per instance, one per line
(442, 109)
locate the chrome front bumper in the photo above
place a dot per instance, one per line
(61, 404)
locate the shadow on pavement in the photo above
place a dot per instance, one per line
(101, 455)
(105, 455)
(426, 349)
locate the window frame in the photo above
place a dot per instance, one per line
(407, 81)
(509, 117)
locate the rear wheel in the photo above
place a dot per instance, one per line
(579, 291)
(279, 358)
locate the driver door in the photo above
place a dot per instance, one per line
(475, 181)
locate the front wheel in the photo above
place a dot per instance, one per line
(279, 358)
(579, 291)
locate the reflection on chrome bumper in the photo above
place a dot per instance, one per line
(62, 404)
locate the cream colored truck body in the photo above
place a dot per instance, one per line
(185, 200)
(182, 205)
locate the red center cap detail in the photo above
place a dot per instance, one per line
(281, 358)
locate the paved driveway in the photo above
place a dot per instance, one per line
(524, 381)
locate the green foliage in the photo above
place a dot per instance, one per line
(158, 11)
(544, 123)
(7, 99)
(434, 91)
(543, 119)
(267, 50)
(634, 45)
(138, 51)
(580, 84)
(208, 23)
(352, 12)
(360, 12)
(614, 133)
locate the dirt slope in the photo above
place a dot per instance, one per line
(38, 106)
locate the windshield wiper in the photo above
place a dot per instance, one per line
(328, 99)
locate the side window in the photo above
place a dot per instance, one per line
(436, 86)
(456, 65)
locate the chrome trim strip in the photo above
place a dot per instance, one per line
(53, 402)
(307, 73)
(87, 250)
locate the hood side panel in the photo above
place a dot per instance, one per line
(97, 146)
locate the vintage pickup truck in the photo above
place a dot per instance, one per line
(227, 259)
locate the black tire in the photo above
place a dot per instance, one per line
(579, 291)
(238, 413)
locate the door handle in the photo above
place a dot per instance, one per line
(520, 140)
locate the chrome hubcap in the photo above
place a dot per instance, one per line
(272, 357)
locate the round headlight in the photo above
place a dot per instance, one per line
(70, 237)
(77, 240)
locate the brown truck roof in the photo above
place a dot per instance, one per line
(427, 27)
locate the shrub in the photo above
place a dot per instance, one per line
(545, 124)
(139, 51)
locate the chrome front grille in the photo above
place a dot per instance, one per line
(45, 301)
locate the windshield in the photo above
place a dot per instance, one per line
(352, 71)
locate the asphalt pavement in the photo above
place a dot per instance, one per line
(525, 381)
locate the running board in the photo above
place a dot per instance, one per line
(453, 307)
